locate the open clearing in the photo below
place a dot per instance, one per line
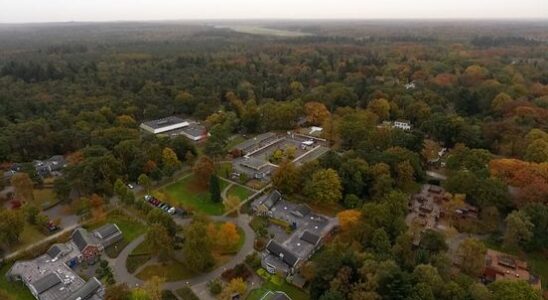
(257, 30)
(188, 194)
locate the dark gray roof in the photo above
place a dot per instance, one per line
(54, 251)
(253, 141)
(272, 199)
(301, 210)
(86, 291)
(81, 238)
(108, 230)
(45, 283)
(155, 124)
(284, 254)
(310, 237)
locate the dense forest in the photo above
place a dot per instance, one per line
(81, 90)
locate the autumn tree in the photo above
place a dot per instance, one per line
(158, 216)
(170, 161)
(197, 246)
(120, 188)
(228, 236)
(12, 224)
(158, 240)
(285, 178)
(316, 113)
(380, 107)
(513, 290)
(145, 181)
(23, 186)
(471, 254)
(324, 187)
(518, 229)
(97, 205)
(348, 218)
(405, 174)
(203, 169)
(500, 101)
(235, 286)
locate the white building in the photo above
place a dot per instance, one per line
(164, 125)
(402, 124)
(176, 126)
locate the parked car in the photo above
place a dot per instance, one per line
(50, 227)
(130, 186)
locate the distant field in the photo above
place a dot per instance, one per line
(265, 31)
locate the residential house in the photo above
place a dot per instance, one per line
(402, 124)
(108, 234)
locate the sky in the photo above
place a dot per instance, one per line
(26, 11)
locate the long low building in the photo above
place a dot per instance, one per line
(174, 126)
(51, 275)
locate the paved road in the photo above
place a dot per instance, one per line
(199, 283)
(436, 175)
(118, 264)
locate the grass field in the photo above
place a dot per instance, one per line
(16, 290)
(30, 235)
(256, 30)
(171, 270)
(239, 191)
(45, 198)
(130, 228)
(187, 194)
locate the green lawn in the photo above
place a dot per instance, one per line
(45, 198)
(16, 290)
(130, 228)
(242, 192)
(138, 257)
(30, 235)
(185, 193)
(223, 169)
(171, 270)
(293, 292)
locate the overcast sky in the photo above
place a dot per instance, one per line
(22, 11)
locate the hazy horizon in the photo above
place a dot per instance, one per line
(35, 11)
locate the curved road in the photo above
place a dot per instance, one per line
(121, 274)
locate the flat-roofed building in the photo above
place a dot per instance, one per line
(174, 126)
(51, 275)
(164, 125)
(309, 231)
(500, 265)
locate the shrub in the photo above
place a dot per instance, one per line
(187, 294)
(253, 260)
(215, 287)
(239, 271)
